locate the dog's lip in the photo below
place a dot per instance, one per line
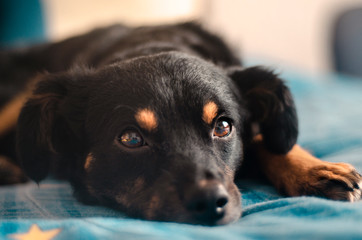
(231, 216)
(232, 213)
(225, 220)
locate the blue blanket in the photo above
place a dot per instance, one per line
(330, 116)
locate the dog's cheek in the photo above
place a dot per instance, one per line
(137, 195)
(152, 201)
(129, 196)
(164, 204)
(155, 201)
(99, 181)
(133, 195)
(230, 153)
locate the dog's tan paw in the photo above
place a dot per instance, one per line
(338, 181)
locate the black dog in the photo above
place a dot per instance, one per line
(155, 122)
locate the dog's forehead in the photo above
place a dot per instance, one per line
(172, 76)
(169, 86)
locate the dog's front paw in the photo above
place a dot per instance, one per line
(338, 181)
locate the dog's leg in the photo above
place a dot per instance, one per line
(299, 173)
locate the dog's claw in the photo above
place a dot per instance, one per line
(338, 181)
(355, 195)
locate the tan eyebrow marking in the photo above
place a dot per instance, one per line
(209, 112)
(146, 119)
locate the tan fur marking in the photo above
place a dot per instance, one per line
(287, 171)
(203, 183)
(88, 161)
(10, 112)
(138, 184)
(299, 173)
(153, 206)
(146, 119)
(123, 199)
(209, 112)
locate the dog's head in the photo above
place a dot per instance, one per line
(158, 137)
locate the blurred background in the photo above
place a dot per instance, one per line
(315, 36)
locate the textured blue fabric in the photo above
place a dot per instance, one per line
(331, 127)
(21, 23)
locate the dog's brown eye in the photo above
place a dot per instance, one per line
(131, 139)
(222, 128)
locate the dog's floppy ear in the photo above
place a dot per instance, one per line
(270, 104)
(45, 130)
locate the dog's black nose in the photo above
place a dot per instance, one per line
(207, 202)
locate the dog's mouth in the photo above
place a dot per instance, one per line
(205, 196)
(211, 203)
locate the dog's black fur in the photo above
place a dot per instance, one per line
(96, 83)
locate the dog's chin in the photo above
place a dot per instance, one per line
(232, 214)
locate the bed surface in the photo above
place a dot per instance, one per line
(330, 114)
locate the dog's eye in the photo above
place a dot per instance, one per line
(222, 128)
(131, 139)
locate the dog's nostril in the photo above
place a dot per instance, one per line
(221, 202)
(203, 205)
(209, 175)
